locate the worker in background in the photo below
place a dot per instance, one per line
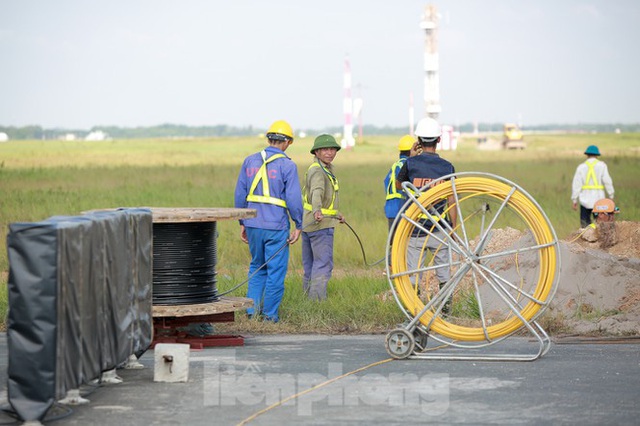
(395, 198)
(589, 184)
(421, 170)
(321, 215)
(268, 182)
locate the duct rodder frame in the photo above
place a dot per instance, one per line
(79, 302)
(504, 261)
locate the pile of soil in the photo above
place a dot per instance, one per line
(598, 291)
(599, 288)
(626, 246)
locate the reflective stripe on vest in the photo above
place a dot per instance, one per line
(434, 218)
(334, 182)
(591, 177)
(430, 217)
(266, 198)
(392, 191)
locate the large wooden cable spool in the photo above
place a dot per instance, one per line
(185, 253)
(179, 274)
(184, 274)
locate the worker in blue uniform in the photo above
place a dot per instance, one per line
(268, 182)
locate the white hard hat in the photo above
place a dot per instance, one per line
(428, 128)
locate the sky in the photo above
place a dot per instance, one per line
(76, 64)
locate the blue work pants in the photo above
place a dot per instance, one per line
(266, 287)
(317, 260)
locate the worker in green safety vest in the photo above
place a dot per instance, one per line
(589, 184)
(321, 215)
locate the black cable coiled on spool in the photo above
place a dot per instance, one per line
(184, 263)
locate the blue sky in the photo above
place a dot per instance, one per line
(76, 64)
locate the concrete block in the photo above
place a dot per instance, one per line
(171, 362)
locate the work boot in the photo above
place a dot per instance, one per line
(446, 309)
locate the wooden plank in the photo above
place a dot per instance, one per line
(225, 304)
(178, 215)
(192, 214)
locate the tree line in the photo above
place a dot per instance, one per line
(183, 131)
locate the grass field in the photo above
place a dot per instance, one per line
(39, 179)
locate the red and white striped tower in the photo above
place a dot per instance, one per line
(429, 24)
(347, 134)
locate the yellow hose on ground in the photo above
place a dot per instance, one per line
(524, 207)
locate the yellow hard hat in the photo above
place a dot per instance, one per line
(280, 127)
(406, 142)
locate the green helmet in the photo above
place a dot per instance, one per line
(325, 141)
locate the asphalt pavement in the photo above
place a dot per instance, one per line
(305, 379)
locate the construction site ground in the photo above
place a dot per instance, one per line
(586, 382)
(589, 376)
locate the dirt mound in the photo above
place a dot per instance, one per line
(627, 240)
(598, 290)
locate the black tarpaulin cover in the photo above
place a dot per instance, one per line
(79, 302)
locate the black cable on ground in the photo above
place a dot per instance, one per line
(364, 256)
(256, 271)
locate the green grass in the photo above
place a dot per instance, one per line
(39, 179)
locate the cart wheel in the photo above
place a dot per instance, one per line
(420, 337)
(400, 343)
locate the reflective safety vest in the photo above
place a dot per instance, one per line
(392, 191)
(591, 182)
(262, 176)
(330, 211)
